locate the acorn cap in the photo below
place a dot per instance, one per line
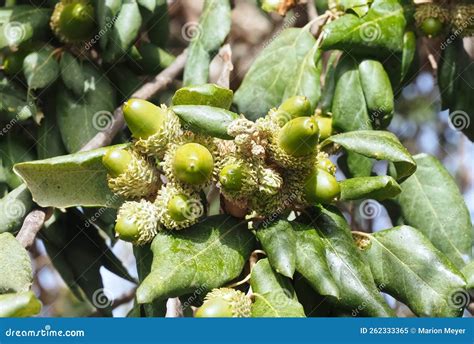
(321, 187)
(269, 181)
(178, 207)
(73, 20)
(430, 13)
(462, 19)
(225, 302)
(137, 222)
(192, 164)
(135, 179)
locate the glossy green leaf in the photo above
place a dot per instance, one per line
(274, 295)
(18, 305)
(106, 12)
(68, 181)
(91, 113)
(378, 92)
(21, 23)
(407, 266)
(455, 80)
(311, 260)
(380, 31)
(286, 67)
(207, 94)
(205, 119)
(327, 93)
(14, 103)
(158, 25)
(40, 68)
(357, 290)
(49, 140)
(71, 74)
(279, 242)
(124, 31)
(431, 202)
(380, 145)
(17, 275)
(13, 149)
(144, 257)
(408, 53)
(87, 252)
(206, 255)
(206, 38)
(14, 207)
(360, 7)
(378, 188)
(349, 108)
(468, 272)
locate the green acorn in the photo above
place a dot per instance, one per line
(232, 177)
(130, 175)
(152, 127)
(431, 18)
(178, 207)
(299, 136)
(73, 20)
(225, 303)
(192, 164)
(325, 164)
(297, 106)
(462, 20)
(321, 187)
(325, 126)
(137, 222)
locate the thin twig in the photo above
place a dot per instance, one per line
(32, 225)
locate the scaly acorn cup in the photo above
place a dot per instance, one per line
(73, 20)
(431, 18)
(225, 303)
(297, 106)
(325, 126)
(321, 187)
(192, 164)
(295, 145)
(137, 222)
(462, 20)
(130, 175)
(178, 207)
(153, 127)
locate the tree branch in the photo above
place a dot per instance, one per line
(32, 225)
(36, 218)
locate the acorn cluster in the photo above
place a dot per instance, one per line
(434, 19)
(73, 21)
(271, 165)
